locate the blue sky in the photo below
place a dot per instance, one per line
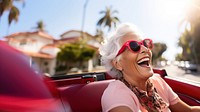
(158, 19)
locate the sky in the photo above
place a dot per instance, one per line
(157, 19)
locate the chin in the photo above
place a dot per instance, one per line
(148, 73)
(151, 72)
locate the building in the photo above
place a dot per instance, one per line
(41, 48)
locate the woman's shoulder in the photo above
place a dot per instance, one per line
(159, 82)
(116, 86)
(118, 89)
(118, 94)
(157, 77)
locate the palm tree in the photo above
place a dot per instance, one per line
(108, 19)
(40, 26)
(7, 5)
(192, 17)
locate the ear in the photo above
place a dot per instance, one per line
(116, 64)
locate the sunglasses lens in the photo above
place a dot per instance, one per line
(147, 43)
(134, 46)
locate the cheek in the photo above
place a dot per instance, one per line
(128, 58)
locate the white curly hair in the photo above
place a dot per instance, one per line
(112, 44)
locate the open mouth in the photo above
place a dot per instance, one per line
(144, 62)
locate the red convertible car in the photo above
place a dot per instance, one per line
(22, 89)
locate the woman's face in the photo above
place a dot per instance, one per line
(137, 65)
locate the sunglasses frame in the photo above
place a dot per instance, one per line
(127, 44)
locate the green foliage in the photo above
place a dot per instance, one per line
(60, 68)
(86, 53)
(190, 39)
(69, 52)
(74, 53)
(158, 50)
(184, 42)
(179, 57)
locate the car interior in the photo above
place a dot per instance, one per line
(84, 93)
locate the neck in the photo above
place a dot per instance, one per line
(140, 83)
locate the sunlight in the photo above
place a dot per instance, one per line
(185, 26)
(173, 9)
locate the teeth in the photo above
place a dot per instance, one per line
(142, 60)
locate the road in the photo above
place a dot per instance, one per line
(174, 71)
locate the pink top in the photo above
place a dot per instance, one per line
(118, 94)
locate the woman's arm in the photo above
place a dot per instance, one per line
(183, 107)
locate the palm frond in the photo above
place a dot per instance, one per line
(108, 20)
(100, 22)
(13, 15)
(5, 5)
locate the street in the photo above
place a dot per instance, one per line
(174, 71)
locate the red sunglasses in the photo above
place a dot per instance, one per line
(135, 46)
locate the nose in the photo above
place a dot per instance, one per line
(144, 49)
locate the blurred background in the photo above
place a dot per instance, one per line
(62, 37)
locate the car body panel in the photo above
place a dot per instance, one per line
(21, 88)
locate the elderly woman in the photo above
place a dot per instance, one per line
(127, 56)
